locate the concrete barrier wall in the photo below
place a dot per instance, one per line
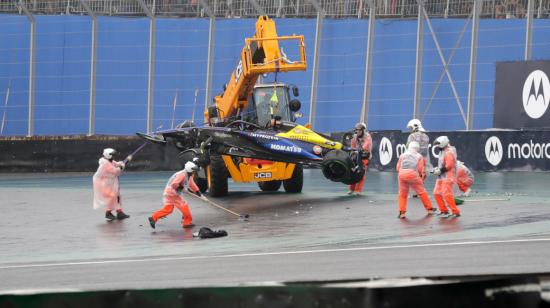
(80, 154)
(479, 150)
(521, 291)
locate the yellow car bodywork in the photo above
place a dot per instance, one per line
(243, 171)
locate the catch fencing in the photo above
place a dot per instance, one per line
(118, 67)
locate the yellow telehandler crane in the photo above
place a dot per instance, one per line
(260, 104)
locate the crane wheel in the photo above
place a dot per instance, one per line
(270, 185)
(202, 183)
(296, 182)
(217, 177)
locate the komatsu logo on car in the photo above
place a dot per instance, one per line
(256, 135)
(285, 148)
(262, 175)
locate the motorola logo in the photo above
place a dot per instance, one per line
(493, 150)
(536, 94)
(385, 151)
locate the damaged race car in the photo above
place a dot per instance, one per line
(251, 134)
(217, 149)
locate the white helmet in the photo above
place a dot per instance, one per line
(360, 126)
(415, 125)
(414, 147)
(108, 153)
(441, 142)
(190, 167)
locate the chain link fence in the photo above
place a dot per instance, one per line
(499, 9)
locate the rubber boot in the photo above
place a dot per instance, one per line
(109, 216)
(152, 222)
(432, 211)
(120, 215)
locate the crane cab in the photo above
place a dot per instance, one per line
(270, 101)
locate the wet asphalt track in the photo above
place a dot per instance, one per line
(51, 238)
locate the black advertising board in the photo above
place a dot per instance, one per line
(479, 150)
(522, 95)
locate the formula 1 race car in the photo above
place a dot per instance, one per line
(251, 134)
(214, 148)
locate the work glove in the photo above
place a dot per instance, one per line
(436, 171)
(129, 158)
(365, 155)
(198, 193)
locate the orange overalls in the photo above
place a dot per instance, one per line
(366, 145)
(464, 177)
(443, 190)
(410, 168)
(172, 197)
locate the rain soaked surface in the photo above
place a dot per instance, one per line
(49, 218)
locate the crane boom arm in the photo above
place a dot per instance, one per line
(261, 54)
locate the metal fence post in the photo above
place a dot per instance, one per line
(93, 58)
(151, 70)
(529, 30)
(93, 61)
(418, 66)
(210, 59)
(32, 54)
(151, 74)
(315, 69)
(368, 63)
(473, 62)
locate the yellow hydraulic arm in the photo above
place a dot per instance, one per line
(261, 54)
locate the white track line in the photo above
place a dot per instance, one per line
(260, 254)
(38, 291)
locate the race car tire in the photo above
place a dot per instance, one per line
(296, 182)
(355, 176)
(218, 177)
(270, 185)
(202, 183)
(338, 166)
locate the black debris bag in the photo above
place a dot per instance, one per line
(206, 232)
